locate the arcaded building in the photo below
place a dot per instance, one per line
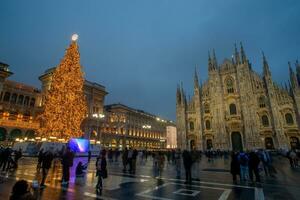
(237, 108)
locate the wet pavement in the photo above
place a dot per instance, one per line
(212, 180)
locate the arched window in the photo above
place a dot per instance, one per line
(206, 108)
(265, 120)
(207, 124)
(191, 126)
(6, 96)
(32, 102)
(20, 99)
(229, 85)
(232, 109)
(13, 98)
(26, 101)
(289, 118)
(262, 102)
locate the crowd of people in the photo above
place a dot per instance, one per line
(244, 165)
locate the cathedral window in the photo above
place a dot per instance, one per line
(229, 85)
(262, 102)
(26, 101)
(6, 96)
(289, 118)
(232, 109)
(207, 124)
(191, 124)
(206, 108)
(265, 120)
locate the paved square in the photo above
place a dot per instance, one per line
(169, 191)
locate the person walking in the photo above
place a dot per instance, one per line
(101, 165)
(234, 166)
(187, 162)
(253, 166)
(46, 165)
(161, 163)
(40, 158)
(67, 162)
(89, 155)
(129, 159)
(125, 159)
(177, 158)
(243, 160)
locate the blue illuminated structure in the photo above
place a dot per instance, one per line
(79, 145)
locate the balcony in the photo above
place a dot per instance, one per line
(19, 124)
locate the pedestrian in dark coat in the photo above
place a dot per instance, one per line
(187, 162)
(101, 171)
(67, 162)
(124, 159)
(46, 165)
(253, 166)
(234, 166)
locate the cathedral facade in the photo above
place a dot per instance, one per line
(238, 109)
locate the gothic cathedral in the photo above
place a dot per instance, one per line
(238, 109)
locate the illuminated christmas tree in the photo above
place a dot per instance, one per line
(65, 106)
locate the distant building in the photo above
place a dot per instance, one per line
(19, 104)
(171, 137)
(128, 127)
(236, 108)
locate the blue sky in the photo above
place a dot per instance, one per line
(141, 49)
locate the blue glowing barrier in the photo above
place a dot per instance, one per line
(79, 145)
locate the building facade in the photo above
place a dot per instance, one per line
(19, 104)
(171, 137)
(124, 126)
(236, 108)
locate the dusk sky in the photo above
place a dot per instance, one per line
(141, 49)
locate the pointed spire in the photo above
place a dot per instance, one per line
(210, 64)
(237, 55)
(215, 63)
(266, 69)
(298, 71)
(196, 82)
(243, 55)
(293, 78)
(178, 94)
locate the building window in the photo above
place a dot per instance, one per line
(26, 101)
(289, 118)
(191, 126)
(265, 120)
(262, 102)
(207, 124)
(229, 85)
(232, 109)
(13, 98)
(206, 108)
(32, 102)
(6, 96)
(20, 99)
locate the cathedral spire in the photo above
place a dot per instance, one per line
(210, 64)
(196, 82)
(215, 63)
(298, 71)
(237, 55)
(266, 69)
(293, 78)
(243, 55)
(178, 94)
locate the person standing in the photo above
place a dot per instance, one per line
(124, 159)
(40, 158)
(101, 165)
(129, 159)
(161, 163)
(187, 162)
(67, 162)
(243, 160)
(177, 158)
(234, 166)
(253, 166)
(46, 164)
(89, 155)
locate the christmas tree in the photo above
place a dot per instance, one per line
(65, 106)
